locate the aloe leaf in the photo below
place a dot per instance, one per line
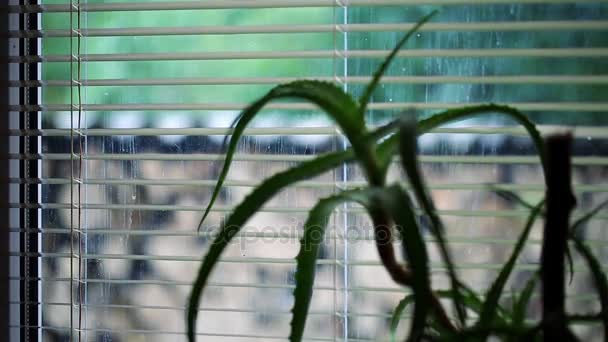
(369, 89)
(384, 151)
(334, 101)
(599, 277)
(396, 317)
(314, 231)
(521, 306)
(397, 202)
(470, 300)
(570, 264)
(450, 115)
(510, 196)
(473, 302)
(315, 227)
(426, 125)
(493, 295)
(470, 111)
(255, 201)
(574, 230)
(409, 162)
(247, 208)
(409, 299)
(588, 216)
(487, 316)
(480, 333)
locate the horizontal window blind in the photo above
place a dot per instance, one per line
(133, 100)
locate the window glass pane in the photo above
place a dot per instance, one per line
(480, 224)
(145, 181)
(140, 246)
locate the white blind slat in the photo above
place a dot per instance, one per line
(242, 4)
(596, 161)
(515, 213)
(435, 267)
(283, 29)
(499, 79)
(581, 131)
(331, 235)
(535, 106)
(308, 184)
(322, 54)
(171, 332)
(177, 283)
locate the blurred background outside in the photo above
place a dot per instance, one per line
(144, 190)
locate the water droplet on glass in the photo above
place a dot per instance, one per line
(418, 35)
(242, 247)
(589, 138)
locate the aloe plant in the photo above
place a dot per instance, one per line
(389, 207)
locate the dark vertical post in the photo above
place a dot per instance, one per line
(560, 202)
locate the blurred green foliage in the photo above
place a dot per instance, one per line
(489, 66)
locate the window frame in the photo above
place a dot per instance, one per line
(30, 244)
(21, 239)
(23, 258)
(4, 179)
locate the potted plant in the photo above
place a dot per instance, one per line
(391, 210)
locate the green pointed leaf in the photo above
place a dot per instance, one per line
(599, 278)
(314, 231)
(255, 201)
(588, 216)
(247, 208)
(385, 151)
(389, 146)
(488, 312)
(399, 205)
(509, 195)
(404, 303)
(512, 196)
(396, 317)
(409, 161)
(471, 111)
(396, 201)
(470, 300)
(480, 333)
(333, 100)
(450, 115)
(570, 264)
(473, 302)
(369, 89)
(574, 230)
(521, 305)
